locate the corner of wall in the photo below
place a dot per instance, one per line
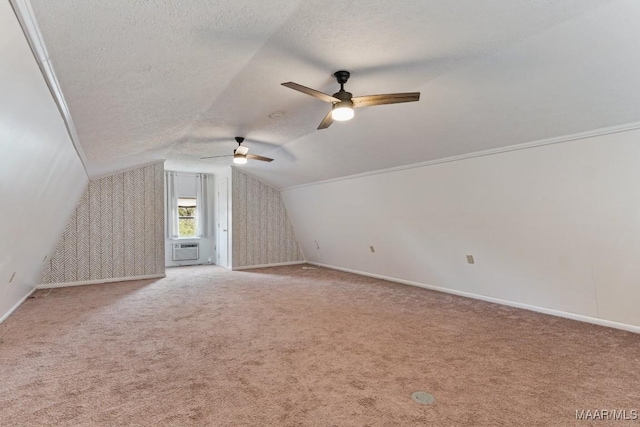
(42, 172)
(115, 232)
(262, 234)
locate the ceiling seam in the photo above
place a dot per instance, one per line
(200, 114)
(29, 25)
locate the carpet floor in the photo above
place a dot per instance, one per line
(301, 346)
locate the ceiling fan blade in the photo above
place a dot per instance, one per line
(389, 98)
(242, 150)
(256, 157)
(326, 122)
(214, 157)
(315, 93)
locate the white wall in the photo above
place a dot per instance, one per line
(186, 187)
(41, 175)
(555, 227)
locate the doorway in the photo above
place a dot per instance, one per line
(223, 224)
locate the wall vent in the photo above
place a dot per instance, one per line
(185, 251)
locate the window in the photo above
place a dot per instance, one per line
(187, 211)
(187, 217)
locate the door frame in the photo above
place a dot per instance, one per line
(222, 232)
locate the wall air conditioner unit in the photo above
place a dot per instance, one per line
(185, 251)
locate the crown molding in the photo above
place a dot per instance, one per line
(524, 146)
(27, 19)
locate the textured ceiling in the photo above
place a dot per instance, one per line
(148, 80)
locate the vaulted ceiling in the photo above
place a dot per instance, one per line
(148, 80)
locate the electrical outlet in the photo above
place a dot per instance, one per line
(372, 249)
(470, 259)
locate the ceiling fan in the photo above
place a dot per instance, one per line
(240, 154)
(344, 102)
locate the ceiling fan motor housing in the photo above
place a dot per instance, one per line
(343, 95)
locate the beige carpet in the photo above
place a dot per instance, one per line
(301, 347)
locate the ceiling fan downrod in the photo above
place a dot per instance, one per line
(342, 77)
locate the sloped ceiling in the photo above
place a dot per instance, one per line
(148, 80)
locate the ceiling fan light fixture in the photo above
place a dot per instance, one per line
(239, 159)
(342, 111)
(343, 102)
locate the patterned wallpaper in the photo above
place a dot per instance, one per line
(262, 233)
(117, 230)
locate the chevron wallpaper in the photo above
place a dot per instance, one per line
(262, 233)
(117, 230)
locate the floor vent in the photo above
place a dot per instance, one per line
(423, 397)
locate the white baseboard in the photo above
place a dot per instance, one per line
(550, 311)
(278, 264)
(99, 281)
(190, 265)
(18, 304)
